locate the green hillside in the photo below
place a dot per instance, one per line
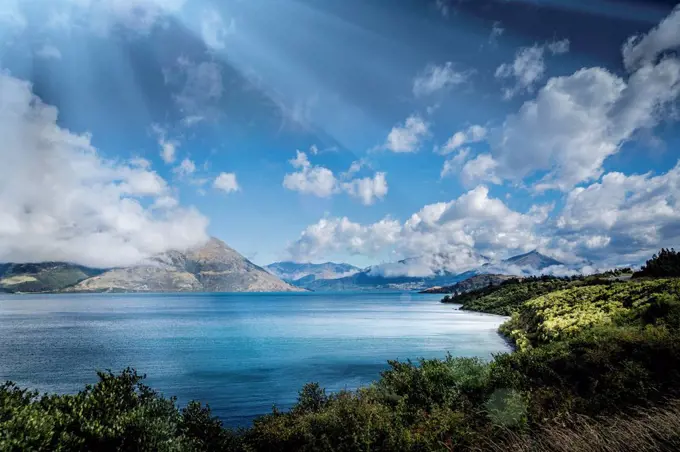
(42, 277)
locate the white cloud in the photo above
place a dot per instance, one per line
(48, 52)
(407, 137)
(367, 189)
(61, 201)
(321, 182)
(559, 47)
(213, 29)
(528, 67)
(455, 163)
(474, 220)
(481, 168)
(140, 162)
(577, 121)
(168, 147)
(314, 180)
(641, 50)
(435, 78)
(473, 134)
(443, 7)
(226, 182)
(185, 168)
(623, 214)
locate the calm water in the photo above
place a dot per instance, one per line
(239, 353)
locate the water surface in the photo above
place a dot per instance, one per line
(241, 353)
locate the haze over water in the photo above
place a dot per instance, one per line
(240, 353)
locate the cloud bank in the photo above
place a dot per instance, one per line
(62, 201)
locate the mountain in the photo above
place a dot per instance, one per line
(213, 267)
(534, 260)
(304, 273)
(42, 277)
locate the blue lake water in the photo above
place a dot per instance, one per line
(241, 353)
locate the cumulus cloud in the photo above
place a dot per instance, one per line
(436, 78)
(226, 182)
(214, 30)
(645, 49)
(407, 137)
(453, 231)
(320, 181)
(61, 201)
(576, 122)
(48, 51)
(367, 189)
(315, 180)
(528, 67)
(622, 215)
(473, 134)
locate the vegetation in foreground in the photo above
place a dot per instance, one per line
(597, 367)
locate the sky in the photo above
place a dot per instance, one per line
(355, 131)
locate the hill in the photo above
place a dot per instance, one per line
(42, 277)
(469, 284)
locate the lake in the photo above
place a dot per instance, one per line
(241, 353)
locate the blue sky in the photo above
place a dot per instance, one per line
(463, 128)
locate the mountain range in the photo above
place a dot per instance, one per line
(386, 277)
(305, 273)
(213, 267)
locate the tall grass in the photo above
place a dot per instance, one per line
(654, 429)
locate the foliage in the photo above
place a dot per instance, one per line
(564, 313)
(505, 298)
(664, 264)
(117, 413)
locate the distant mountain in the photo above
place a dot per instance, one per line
(42, 277)
(304, 273)
(213, 267)
(405, 274)
(534, 260)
